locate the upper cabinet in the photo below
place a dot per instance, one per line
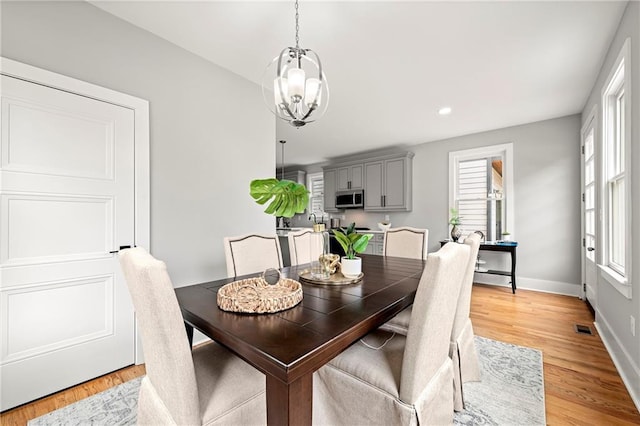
(297, 176)
(330, 180)
(350, 177)
(385, 179)
(388, 184)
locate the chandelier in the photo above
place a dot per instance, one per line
(300, 90)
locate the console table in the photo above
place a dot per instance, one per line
(509, 247)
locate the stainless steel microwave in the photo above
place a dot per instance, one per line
(350, 199)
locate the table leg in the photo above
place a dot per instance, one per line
(189, 329)
(513, 271)
(289, 404)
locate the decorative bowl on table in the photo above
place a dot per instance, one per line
(257, 296)
(384, 226)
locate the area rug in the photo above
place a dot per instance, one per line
(511, 393)
(512, 388)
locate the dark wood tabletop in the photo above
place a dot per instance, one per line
(289, 346)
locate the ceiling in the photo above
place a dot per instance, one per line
(391, 65)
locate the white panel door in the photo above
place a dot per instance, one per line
(66, 202)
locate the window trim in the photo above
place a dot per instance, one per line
(505, 150)
(311, 177)
(616, 83)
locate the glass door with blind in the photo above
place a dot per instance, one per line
(480, 196)
(589, 212)
(480, 187)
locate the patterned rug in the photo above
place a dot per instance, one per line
(511, 393)
(512, 388)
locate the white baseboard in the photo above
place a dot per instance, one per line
(545, 286)
(628, 370)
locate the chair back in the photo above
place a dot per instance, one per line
(300, 248)
(167, 353)
(427, 346)
(406, 242)
(464, 300)
(251, 253)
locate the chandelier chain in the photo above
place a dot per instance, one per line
(297, 26)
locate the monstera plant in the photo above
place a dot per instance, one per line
(287, 197)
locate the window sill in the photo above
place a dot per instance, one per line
(616, 280)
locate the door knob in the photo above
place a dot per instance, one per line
(590, 248)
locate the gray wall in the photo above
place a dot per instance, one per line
(200, 169)
(613, 310)
(547, 200)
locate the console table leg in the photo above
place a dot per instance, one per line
(513, 271)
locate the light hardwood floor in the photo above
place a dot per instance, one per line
(582, 386)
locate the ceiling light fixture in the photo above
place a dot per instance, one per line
(300, 90)
(445, 111)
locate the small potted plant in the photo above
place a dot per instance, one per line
(352, 243)
(506, 236)
(454, 221)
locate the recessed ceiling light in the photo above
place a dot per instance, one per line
(445, 111)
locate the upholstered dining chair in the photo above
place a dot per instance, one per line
(396, 379)
(208, 385)
(300, 250)
(462, 351)
(406, 242)
(251, 253)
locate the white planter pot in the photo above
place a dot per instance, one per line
(506, 237)
(351, 268)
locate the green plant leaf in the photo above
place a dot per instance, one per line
(287, 197)
(361, 243)
(343, 240)
(350, 241)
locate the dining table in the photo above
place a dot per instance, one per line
(290, 345)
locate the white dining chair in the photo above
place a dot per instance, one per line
(406, 242)
(300, 247)
(251, 253)
(209, 385)
(466, 365)
(462, 351)
(393, 379)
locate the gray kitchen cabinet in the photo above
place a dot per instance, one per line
(376, 244)
(297, 176)
(330, 181)
(388, 184)
(350, 177)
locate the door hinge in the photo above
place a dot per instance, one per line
(584, 243)
(582, 149)
(583, 197)
(584, 286)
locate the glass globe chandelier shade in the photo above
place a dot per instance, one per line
(293, 85)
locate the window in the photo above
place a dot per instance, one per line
(480, 187)
(315, 185)
(615, 166)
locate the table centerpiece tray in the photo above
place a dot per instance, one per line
(334, 279)
(257, 296)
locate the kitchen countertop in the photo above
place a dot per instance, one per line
(283, 232)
